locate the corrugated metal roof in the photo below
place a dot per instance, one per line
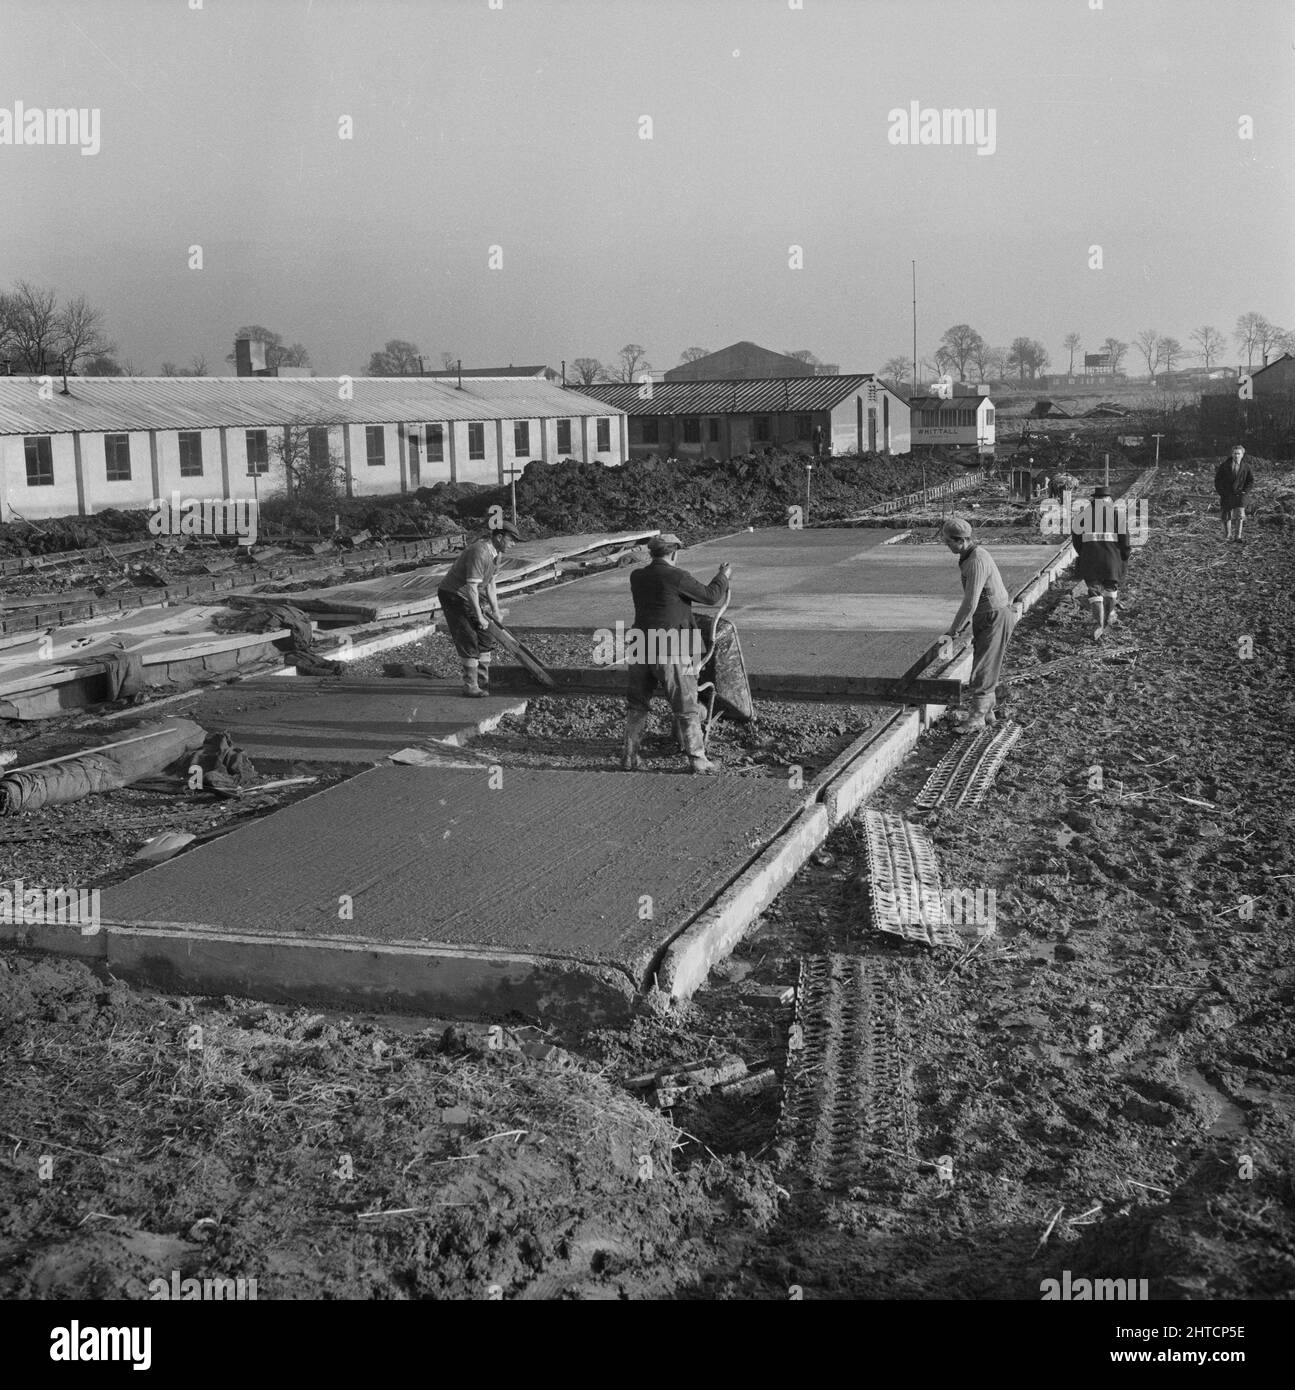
(192, 403)
(945, 403)
(763, 396)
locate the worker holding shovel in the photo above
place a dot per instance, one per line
(459, 595)
(669, 651)
(986, 602)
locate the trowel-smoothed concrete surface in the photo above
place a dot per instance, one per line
(342, 719)
(826, 603)
(601, 868)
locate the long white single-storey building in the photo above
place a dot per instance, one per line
(721, 419)
(125, 441)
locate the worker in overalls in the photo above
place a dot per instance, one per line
(986, 602)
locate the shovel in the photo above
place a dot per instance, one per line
(522, 653)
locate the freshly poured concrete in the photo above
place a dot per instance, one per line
(812, 603)
(550, 887)
(343, 719)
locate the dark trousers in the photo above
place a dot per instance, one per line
(469, 641)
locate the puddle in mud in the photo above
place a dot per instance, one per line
(1231, 1118)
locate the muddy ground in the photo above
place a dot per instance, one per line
(1109, 1076)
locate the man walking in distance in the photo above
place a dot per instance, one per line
(1102, 544)
(1232, 481)
(985, 601)
(668, 648)
(460, 599)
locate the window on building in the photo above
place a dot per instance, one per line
(116, 451)
(604, 436)
(714, 431)
(691, 431)
(803, 427)
(40, 460)
(522, 438)
(317, 449)
(375, 445)
(190, 454)
(564, 436)
(258, 451)
(763, 429)
(989, 416)
(435, 436)
(651, 431)
(476, 440)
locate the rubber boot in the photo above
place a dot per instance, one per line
(470, 686)
(1109, 615)
(635, 723)
(483, 672)
(1096, 608)
(1240, 524)
(1227, 530)
(694, 745)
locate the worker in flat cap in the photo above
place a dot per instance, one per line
(667, 656)
(1100, 535)
(986, 602)
(460, 599)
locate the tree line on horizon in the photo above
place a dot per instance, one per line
(39, 333)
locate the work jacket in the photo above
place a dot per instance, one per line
(664, 595)
(1103, 555)
(1228, 485)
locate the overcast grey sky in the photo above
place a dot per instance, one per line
(519, 127)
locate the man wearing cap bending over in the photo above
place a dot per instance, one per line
(667, 650)
(985, 601)
(460, 599)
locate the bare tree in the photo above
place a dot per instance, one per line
(1027, 355)
(1148, 344)
(33, 329)
(588, 370)
(803, 355)
(981, 356)
(198, 365)
(1115, 349)
(397, 358)
(897, 369)
(1268, 337)
(170, 369)
(693, 353)
(1211, 343)
(1170, 351)
(1072, 342)
(1251, 330)
(958, 344)
(633, 362)
(80, 330)
(997, 363)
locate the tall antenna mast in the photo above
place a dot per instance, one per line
(914, 327)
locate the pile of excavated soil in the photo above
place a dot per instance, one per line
(570, 498)
(149, 1139)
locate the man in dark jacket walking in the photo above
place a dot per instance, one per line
(1100, 535)
(666, 654)
(1233, 481)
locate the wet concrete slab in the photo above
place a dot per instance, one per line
(344, 719)
(587, 869)
(826, 603)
